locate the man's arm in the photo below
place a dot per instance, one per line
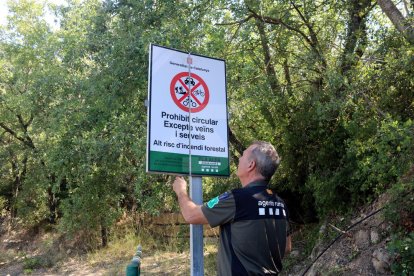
(191, 212)
(288, 248)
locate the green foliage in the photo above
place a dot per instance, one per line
(386, 156)
(403, 250)
(400, 212)
(3, 203)
(371, 165)
(32, 263)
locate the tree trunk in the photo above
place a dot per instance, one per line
(52, 204)
(15, 188)
(398, 20)
(238, 146)
(104, 235)
(270, 70)
(270, 73)
(19, 174)
(288, 79)
(356, 36)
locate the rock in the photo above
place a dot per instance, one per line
(362, 239)
(322, 230)
(375, 237)
(294, 253)
(313, 272)
(315, 251)
(381, 260)
(358, 219)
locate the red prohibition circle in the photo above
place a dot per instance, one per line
(180, 92)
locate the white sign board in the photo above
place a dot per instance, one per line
(187, 114)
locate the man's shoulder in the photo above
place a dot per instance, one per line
(219, 199)
(220, 209)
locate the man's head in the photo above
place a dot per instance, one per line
(259, 160)
(266, 158)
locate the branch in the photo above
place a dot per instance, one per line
(370, 8)
(314, 42)
(235, 32)
(236, 22)
(28, 142)
(407, 11)
(239, 23)
(21, 121)
(339, 230)
(306, 21)
(405, 27)
(277, 21)
(238, 146)
(10, 131)
(30, 119)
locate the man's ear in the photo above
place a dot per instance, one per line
(252, 165)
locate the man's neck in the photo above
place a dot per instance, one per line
(248, 180)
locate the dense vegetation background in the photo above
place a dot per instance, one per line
(329, 83)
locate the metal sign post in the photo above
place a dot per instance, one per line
(196, 194)
(196, 230)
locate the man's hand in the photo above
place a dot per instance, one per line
(191, 212)
(180, 186)
(288, 248)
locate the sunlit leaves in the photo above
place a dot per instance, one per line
(73, 114)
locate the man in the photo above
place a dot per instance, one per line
(253, 221)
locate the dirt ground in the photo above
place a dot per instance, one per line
(167, 263)
(153, 266)
(38, 253)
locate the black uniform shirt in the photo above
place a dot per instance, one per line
(253, 230)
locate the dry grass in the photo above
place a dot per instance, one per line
(173, 263)
(46, 253)
(159, 256)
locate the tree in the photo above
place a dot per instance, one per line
(403, 24)
(29, 78)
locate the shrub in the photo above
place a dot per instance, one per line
(403, 250)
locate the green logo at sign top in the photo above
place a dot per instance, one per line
(213, 202)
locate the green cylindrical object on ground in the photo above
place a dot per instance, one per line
(132, 269)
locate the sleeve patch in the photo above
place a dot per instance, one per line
(213, 202)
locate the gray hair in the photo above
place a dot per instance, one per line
(266, 158)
